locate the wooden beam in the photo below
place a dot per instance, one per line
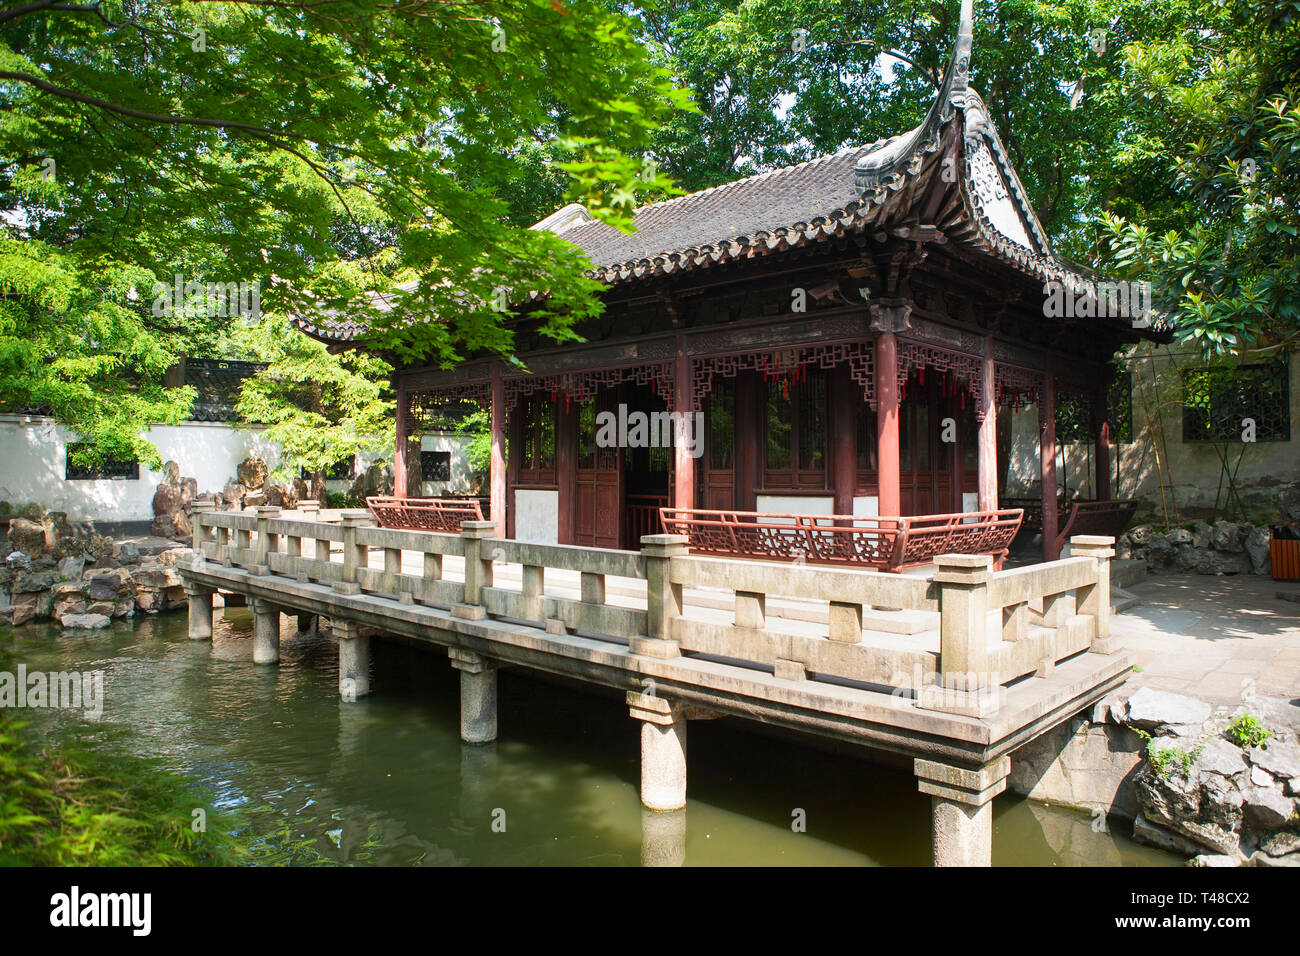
(399, 439)
(1101, 429)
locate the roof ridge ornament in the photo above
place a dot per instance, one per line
(960, 66)
(886, 168)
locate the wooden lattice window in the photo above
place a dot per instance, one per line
(721, 439)
(867, 427)
(1219, 401)
(795, 430)
(537, 451)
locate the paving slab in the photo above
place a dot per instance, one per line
(1219, 639)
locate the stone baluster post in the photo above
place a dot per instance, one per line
(1095, 599)
(663, 597)
(478, 567)
(266, 542)
(355, 556)
(965, 684)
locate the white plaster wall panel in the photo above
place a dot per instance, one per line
(537, 516)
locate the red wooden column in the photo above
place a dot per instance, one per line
(1101, 424)
(845, 398)
(887, 458)
(1047, 457)
(399, 447)
(683, 463)
(988, 434)
(749, 429)
(497, 468)
(566, 468)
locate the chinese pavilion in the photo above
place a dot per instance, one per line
(850, 327)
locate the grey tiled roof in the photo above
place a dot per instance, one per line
(779, 199)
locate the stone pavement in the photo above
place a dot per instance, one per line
(1218, 639)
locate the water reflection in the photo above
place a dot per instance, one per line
(386, 780)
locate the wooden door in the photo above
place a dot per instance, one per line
(598, 494)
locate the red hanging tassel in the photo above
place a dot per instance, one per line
(920, 375)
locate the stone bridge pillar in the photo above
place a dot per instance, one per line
(962, 802)
(354, 659)
(200, 599)
(266, 632)
(478, 695)
(663, 750)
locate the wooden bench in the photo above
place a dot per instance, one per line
(1108, 517)
(424, 514)
(884, 543)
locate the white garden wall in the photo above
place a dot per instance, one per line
(33, 453)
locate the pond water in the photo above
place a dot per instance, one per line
(386, 780)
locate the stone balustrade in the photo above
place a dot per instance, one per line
(989, 627)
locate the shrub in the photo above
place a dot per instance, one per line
(1247, 732)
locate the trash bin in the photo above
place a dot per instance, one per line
(1284, 551)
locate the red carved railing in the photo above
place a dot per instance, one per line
(885, 543)
(642, 517)
(425, 514)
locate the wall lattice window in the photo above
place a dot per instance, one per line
(109, 468)
(435, 466)
(1219, 400)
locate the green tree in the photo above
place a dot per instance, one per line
(320, 407)
(1215, 109)
(781, 81)
(276, 143)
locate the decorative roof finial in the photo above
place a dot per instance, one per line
(960, 67)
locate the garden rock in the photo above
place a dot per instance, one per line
(1280, 758)
(29, 536)
(1149, 709)
(70, 568)
(1266, 808)
(84, 621)
(252, 473)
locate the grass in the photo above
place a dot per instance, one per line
(1165, 760)
(66, 802)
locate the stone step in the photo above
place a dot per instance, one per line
(1126, 573)
(1121, 600)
